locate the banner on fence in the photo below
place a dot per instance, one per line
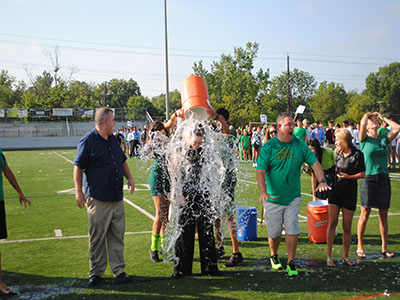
(17, 112)
(2, 112)
(40, 112)
(84, 112)
(62, 112)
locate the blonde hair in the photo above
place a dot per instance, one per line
(344, 135)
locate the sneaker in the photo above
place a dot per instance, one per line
(275, 262)
(291, 269)
(220, 251)
(235, 260)
(154, 256)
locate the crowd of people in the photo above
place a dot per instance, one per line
(336, 156)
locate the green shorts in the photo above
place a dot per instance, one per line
(159, 181)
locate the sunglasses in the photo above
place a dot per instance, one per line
(272, 132)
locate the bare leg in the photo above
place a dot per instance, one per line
(233, 230)
(347, 220)
(362, 224)
(330, 232)
(3, 287)
(384, 227)
(274, 244)
(291, 245)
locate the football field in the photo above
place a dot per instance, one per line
(46, 253)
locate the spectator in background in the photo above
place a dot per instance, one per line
(245, 142)
(346, 124)
(300, 132)
(5, 169)
(307, 127)
(330, 135)
(318, 133)
(256, 144)
(356, 137)
(270, 133)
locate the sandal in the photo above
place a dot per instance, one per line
(387, 254)
(361, 254)
(329, 262)
(348, 262)
(7, 292)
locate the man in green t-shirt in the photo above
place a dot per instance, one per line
(5, 169)
(278, 178)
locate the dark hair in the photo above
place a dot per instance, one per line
(313, 142)
(346, 122)
(199, 130)
(157, 126)
(222, 111)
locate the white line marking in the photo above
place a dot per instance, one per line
(62, 238)
(68, 160)
(139, 208)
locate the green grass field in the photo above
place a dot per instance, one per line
(40, 266)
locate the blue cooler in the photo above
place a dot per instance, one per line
(247, 223)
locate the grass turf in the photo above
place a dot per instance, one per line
(58, 268)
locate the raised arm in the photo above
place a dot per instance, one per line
(391, 135)
(363, 126)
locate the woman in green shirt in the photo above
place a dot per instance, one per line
(326, 158)
(375, 187)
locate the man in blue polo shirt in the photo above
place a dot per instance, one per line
(101, 164)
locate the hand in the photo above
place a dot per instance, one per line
(131, 185)
(22, 198)
(322, 187)
(342, 175)
(264, 197)
(80, 199)
(212, 113)
(179, 113)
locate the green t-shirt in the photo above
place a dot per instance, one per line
(383, 131)
(282, 162)
(300, 133)
(3, 163)
(376, 153)
(328, 158)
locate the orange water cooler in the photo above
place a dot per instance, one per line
(194, 97)
(317, 216)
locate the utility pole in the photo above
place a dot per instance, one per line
(105, 94)
(166, 63)
(288, 84)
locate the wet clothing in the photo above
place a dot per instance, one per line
(197, 210)
(159, 180)
(282, 162)
(344, 191)
(375, 187)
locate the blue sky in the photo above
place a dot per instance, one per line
(340, 41)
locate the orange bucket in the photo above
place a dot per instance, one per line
(194, 97)
(317, 216)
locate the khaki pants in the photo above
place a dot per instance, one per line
(106, 224)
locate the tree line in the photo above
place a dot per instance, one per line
(232, 83)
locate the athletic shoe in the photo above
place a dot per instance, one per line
(275, 262)
(291, 269)
(154, 256)
(235, 260)
(220, 251)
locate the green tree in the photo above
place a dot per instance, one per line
(329, 102)
(119, 91)
(357, 106)
(384, 86)
(82, 94)
(159, 104)
(302, 88)
(233, 84)
(10, 91)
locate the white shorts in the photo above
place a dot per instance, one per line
(278, 215)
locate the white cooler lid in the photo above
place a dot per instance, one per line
(318, 203)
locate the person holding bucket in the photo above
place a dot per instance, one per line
(375, 187)
(278, 178)
(221, 115)
(349, 167)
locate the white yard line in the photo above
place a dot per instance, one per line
(139, 208)
(63, 157)
(62, 238)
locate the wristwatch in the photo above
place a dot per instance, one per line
(323, 181)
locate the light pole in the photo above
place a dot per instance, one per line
(166, 63)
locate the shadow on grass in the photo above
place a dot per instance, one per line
(314, 277)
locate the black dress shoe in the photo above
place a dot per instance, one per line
(154, 256)
(122, 278)
(94, 280)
